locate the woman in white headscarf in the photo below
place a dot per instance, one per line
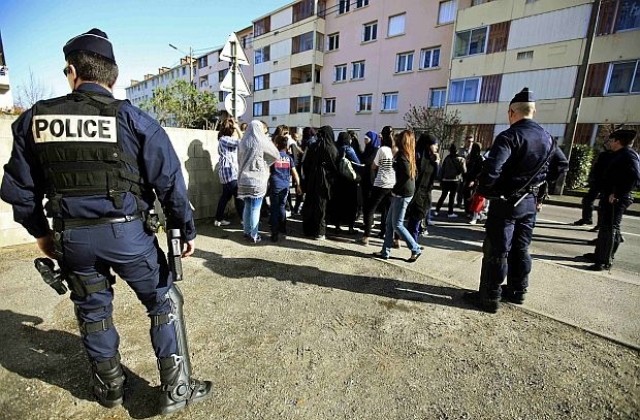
(255, 154)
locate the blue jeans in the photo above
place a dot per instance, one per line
(229, 190)
(395, 223)
(251, 216)
(278, 209)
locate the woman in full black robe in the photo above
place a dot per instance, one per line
(343, 205)
(320, 171)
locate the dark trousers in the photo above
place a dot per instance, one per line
(278, 215)
(379, 198)
(506, 247)
(135, 256)
(230, 189)
(448, 188)
(609, 236)
(587, 204)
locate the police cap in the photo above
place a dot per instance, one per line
(525, 95)
(624, 135)
(94, 41)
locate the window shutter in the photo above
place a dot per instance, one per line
(498, 37)
(606, 17)
(596, 77)
(490, 89)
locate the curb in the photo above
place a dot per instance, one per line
(632, 210)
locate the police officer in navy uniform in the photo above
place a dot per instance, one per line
(617, 182)
(101, 163)
(517, 164)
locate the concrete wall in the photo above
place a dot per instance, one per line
(197, 150)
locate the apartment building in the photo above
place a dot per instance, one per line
(142, 90)
(6, 97)
(288, 46)
(502, 46)
(381, 58)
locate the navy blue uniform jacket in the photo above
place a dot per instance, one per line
(23, 183)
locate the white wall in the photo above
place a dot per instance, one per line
(279, 107)
(545, 84)
(280, 78)
(281, 18)
(280, 49)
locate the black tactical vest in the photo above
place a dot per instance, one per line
(77, 144)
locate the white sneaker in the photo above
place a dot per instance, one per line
(452, 216)
(473, 221)
(221, 223)
(425, 233)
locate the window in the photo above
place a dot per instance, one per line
(624, 78)
(364, 103)
(404, 62)
(470, 42)
(222, 74)
(262, 54)
(390, 101)
(300, 105)
(357, 70)
(437, 97)
(343, 6)
(361, 3)
(330, 106)
(333, 42)
(524, 55)
(628, 15)
(341, 73)
(262, 26)
(316, 105)
(370, 31)
(202, 62)
(261, 82)
(302, 43)
(396, 25)
(260, 109)
(429, 58)
(464, 91)
(221, 95)
(302, 10)
(447, 11)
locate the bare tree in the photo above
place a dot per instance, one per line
(31, 92)
(444, 125)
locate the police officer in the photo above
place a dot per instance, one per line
(101, 163)
(517, 163)
(617, 182)
(595, 177)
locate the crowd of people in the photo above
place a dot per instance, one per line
(343, 181)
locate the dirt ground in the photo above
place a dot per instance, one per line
(312, 330)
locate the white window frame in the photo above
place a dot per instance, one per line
(389, 102)
(358, 70)
(447, 14)
(258, 105)
(329, 106)
(397, 24)
(343, 6)
(333, 41)
(408, 62)
(373, 31)
(361, 3)
(442, 95)
(258, 82)
(629, 91)
(464, 81)
(430, 64)
(340, 73)
(368, 102)
(468, 53)
(259, 55)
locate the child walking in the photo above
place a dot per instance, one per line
(281, 173)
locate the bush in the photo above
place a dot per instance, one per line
(579, 166)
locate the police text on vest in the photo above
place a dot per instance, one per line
(48, 128)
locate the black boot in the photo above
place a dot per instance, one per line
(178, 387)
(513, 296)
(484, 304)
(108, 382)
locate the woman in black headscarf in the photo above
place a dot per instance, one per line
(343, 205)
(320, 170)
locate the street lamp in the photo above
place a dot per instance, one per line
(190, 55)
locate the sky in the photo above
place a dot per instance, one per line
(34, 32)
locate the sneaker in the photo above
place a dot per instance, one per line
(452, 215)
(473, 221)
(321, 237)
(513, 296)
(363, 241)
(221, 223)
(425, 233)
(256, 239)
(599, 267)
(582, 222)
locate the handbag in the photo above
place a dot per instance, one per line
(345, 169)
(477, 203)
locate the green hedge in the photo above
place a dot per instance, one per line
(581, 160)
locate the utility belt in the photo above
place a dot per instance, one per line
(60, 224)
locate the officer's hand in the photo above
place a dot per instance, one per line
(188, 248)
(46, 245)
(612, 199)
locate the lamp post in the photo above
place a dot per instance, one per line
(190, 56)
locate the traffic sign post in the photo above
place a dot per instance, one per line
(234, 103)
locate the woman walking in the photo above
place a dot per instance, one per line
(403, 189)
(453, 168)
(255, 154)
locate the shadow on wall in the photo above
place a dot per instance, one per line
(204, 184)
